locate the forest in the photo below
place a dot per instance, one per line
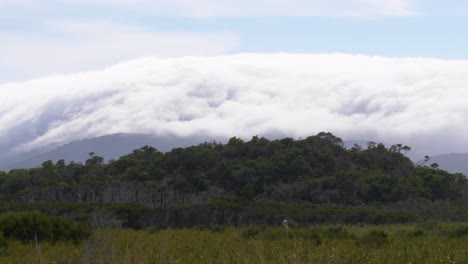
(261, 181)
(225, 203)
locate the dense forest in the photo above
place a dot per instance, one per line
(310, 180)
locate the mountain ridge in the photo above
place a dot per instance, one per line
(113, 146)
(452, 162)
(109, 147)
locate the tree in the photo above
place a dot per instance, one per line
(94, 160)
(248, 191)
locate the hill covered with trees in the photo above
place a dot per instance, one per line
(233, 182)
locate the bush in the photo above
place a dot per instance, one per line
(428, 226)
(3, 243)
(306, 234)
(374, 237)
(217, 228)
(250, 232)
(459, 232)
(417, 233)
(152, 229)
(29, 226)
(275, 234)
(336, 232)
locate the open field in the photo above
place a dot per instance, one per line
(417, 243)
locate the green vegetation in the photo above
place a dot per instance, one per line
(317, 169)
(34, 226)
(438, 243)
(224, 203)
(309, 181)
(217, 212)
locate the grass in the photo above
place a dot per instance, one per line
(418, 243)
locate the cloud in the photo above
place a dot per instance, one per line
(332, 8)
(415, 101)
(242, 8)
(70, 46)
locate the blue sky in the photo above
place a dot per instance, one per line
(43, 37)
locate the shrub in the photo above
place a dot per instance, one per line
(250, 232)
(3, 243)
(336, 232)
(217, 228)
(417, 233)
(275, 234)
(459, 232)
(152, 229)
(29, 226)
(374, 237)
(306, 234)
(428, 226)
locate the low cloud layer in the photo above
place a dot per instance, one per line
(415, 101)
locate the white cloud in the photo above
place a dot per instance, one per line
(334, 8)
(421, 102)
(70, 46)
(242, 8)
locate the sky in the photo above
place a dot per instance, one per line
(43, 37)
(390, 70)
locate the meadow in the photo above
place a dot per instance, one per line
(410, 243)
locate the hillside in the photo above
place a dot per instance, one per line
(317, 169)
(454, 162)
(311, 180)
(109, 146)
(114, 146)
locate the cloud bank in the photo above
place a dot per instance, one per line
(415, 101)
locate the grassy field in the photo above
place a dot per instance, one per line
(419, 243)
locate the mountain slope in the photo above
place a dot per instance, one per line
(109, 146)
(453, 163)
(116, 145)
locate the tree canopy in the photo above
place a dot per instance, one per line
(317, 169)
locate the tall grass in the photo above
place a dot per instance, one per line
(423, 243)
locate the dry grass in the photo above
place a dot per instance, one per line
(325, 244)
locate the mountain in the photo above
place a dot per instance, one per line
(413, 154)
(238, 183)
(453, 163)
(109, 146)
(116, 145)
(348, 144)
